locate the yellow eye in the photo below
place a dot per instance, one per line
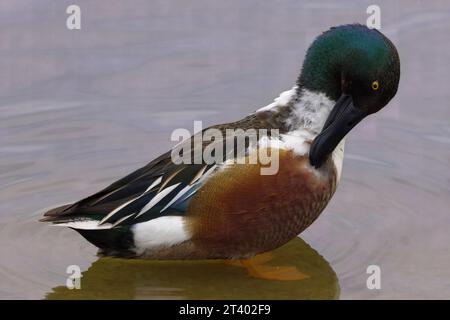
(375, 85)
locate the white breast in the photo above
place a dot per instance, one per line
(310, 113)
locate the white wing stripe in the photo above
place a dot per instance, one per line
(117, 209)
(157, 198)
(179, 194)
(155, 183)
(207, 173)
(201, 175)
(198, 175)
(121, 220)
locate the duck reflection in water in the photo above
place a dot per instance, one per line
(307, 273)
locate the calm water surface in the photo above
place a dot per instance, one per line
(80, 109)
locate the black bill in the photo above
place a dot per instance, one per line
(343, 117)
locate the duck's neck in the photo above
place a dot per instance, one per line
(300, 114)
(301, 109)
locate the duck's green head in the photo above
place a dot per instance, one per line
(355, 66)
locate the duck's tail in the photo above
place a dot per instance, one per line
(55, 214)
(117, 241)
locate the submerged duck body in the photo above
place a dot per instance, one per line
(230, 210)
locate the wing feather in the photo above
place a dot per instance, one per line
(159, 188)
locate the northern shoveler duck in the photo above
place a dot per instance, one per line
(229, 210)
